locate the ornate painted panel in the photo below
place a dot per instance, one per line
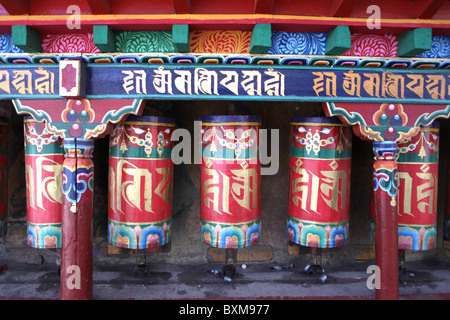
(373, 45)
(298, 43)
(211, 41)
(144, 41)
(440, 48)
(6, 45)
(69, 43)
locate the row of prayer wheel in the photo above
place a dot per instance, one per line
(141, 183)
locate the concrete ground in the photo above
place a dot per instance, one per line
(206, 281)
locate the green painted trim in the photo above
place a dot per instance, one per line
(139, 153)
(414, 157)
(414, 42)
(180, 37)
(261, 40)
(104, 38)
(26, 38)
(47, 150)
(338, 41)
(326, 154)
(228, 154)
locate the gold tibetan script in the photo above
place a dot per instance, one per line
(24, 81)
(425, 192)
(134, 185)
(381, 85)
(330, 186)
(48, 183)
(242, 185)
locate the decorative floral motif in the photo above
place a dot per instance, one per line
(220, 41)
(6, 45)
(298, 43)
(440, 48)
(76, 182)
(317, 235)
(69, 43)
(314, 142)
(37, 139)
(144, 41)
(230, 140)
(231, 236)
(373, 45)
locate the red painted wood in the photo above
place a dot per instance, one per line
(77, 241)
(263, 6)
(99, 6)
(427, 9)
(15, 7)
(181, 6)
(341, 8)
(386, 235)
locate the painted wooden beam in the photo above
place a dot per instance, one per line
(263, 6)
(180, 37)
(414, 42)
(104, 38)
(181, 6)
(426, 9)
(26, 38)
(16, 7)
(341, 8)
(261, 40)
(99, 6)
(338, 41)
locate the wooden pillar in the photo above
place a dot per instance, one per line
(77, 216)
(386, 220)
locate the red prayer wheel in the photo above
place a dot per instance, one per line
(319, 193)
(418, 168)
(230, 209)
(3, 175)
(140, 183)
(44, 157)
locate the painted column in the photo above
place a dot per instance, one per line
(77, 216)
(386, 218)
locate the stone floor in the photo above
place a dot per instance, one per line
(429, 280)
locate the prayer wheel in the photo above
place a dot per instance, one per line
(3, 175)
(140, 183)
(418, 189)
(44, 157)
(230, 209)
(319, 193)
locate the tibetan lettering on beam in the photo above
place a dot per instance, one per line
(141, 81)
